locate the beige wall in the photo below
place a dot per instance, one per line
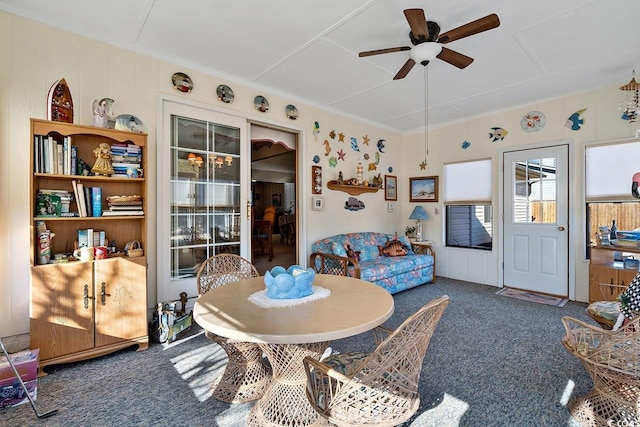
(602, 123)
(33, 56)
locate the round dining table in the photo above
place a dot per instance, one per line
(287, 334)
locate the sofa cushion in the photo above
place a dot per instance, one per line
(338, 249)
(385, 267)
(369, 253)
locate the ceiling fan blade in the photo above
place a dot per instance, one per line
(381, 51)
(418, 23)
(455, 58)
(479, 25)
(405, 69)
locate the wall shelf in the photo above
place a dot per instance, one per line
(353, 190)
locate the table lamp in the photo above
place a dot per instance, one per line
(419, 215)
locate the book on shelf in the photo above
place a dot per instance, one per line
(73, 167)
(125, 208)
(36, 154)
(102, 238)
(80, 201)
(88, 201)
(74, 184)
(96, 201)
(123, 213)
(59, 159)
(83, 237)
(90, 236)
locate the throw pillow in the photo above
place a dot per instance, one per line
(405, 241)
(629, 302)
(393, 248)
(338, 249)
(352, 254)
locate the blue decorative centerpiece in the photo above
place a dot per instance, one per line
(294, 282)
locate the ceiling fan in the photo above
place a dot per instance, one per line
(427, 41)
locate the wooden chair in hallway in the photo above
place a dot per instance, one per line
(263, 231)
(246, 375)
(378, 388)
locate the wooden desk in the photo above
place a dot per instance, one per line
(288, 334)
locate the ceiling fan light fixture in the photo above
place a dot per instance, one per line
(425, 52)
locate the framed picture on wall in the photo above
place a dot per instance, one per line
(276, 199)
(423, 189)
(390, 187)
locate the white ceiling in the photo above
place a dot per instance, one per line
(308, 51)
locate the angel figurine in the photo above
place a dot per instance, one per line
(102, 112)
(103, 160)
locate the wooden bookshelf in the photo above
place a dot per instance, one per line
(81, 310)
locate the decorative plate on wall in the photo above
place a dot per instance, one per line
(225, 94)
(292, 112)
(261, 103)
(533, 121)
(182, 82)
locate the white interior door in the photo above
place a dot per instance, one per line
(536, 205)
(202, 183)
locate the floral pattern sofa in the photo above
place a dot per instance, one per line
(393, 273)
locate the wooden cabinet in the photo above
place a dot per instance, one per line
(607, 280)
(80, 309)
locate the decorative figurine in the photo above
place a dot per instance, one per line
(359, 171)
(103, 160)
(102, 113)
(340, 178)
(377, 181)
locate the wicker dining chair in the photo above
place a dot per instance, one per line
(247, 374)
(378, 388)
(612, 359)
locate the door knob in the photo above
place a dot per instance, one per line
(561, 228)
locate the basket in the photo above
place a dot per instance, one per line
(135, 250)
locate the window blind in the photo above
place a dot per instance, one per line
(468, 182)
(609, 170)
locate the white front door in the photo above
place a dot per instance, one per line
(202, 183)
(536, 220)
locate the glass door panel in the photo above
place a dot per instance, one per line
(205, 193)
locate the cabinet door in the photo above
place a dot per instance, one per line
(624, 278)
(599, 276)
(61, 313)
(121, 299)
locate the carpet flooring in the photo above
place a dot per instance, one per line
(492, 361)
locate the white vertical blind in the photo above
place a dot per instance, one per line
(609, 170)
(468, 182)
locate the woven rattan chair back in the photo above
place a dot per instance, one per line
(222, 269)
(383, 389)
(246, 375)
(612, 359)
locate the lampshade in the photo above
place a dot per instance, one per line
(419, 214)
(425, 52)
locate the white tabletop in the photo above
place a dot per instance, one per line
(354, 306)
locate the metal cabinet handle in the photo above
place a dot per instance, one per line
(103, 293)
(86, 296)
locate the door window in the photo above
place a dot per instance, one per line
(205, 193)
